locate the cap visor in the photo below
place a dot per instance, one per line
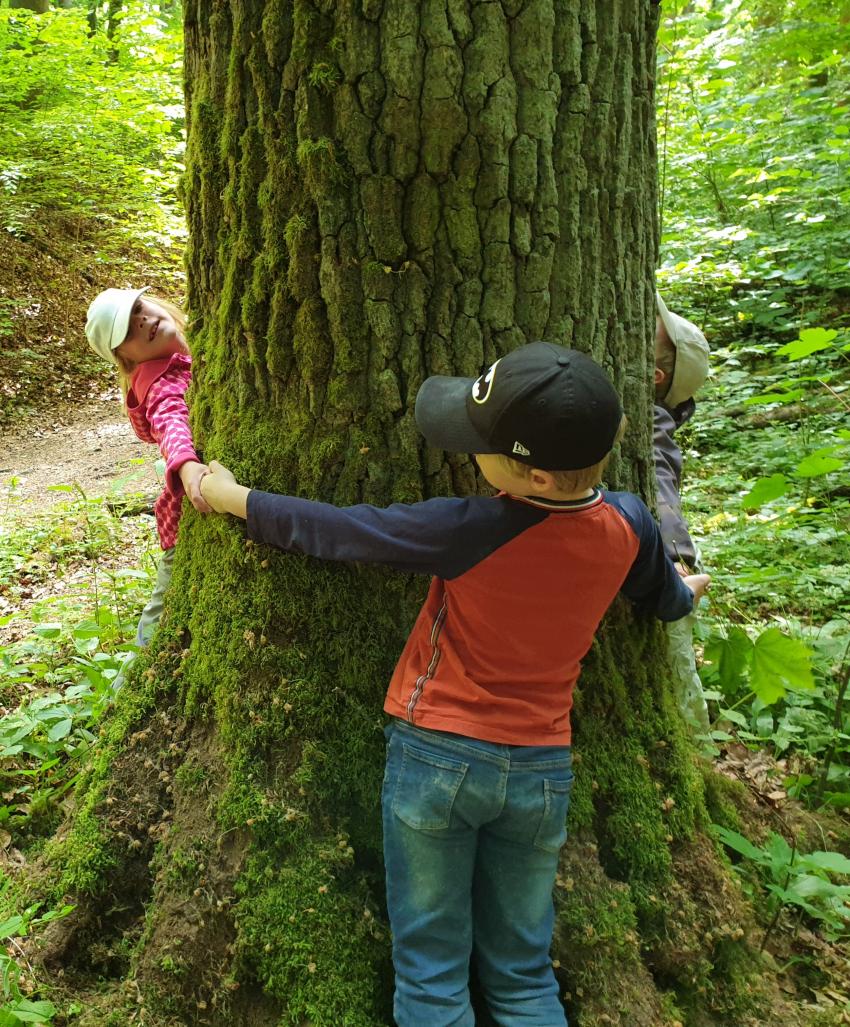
(121, 324)
(442, 418)
(666, 318)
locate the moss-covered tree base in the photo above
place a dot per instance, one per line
(224, 853)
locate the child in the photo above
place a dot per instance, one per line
(144, 337)
(478, 774)
(681, 366)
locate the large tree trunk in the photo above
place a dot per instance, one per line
(379, 190)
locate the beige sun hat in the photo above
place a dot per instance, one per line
(692, 352)
(108, 320)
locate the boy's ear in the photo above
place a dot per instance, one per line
(660, 376)
(540, 481)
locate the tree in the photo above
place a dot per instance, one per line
(377, 191)
(36, 6)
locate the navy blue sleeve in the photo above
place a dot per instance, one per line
(668, 474)
(439, 536)
(653, 583)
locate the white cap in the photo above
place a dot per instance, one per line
(108, 320)
(692, 352)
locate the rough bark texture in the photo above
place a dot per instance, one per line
(379, 190)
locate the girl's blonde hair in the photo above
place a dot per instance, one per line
(127, 367)
(572, 481)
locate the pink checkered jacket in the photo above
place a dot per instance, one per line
(156, 406)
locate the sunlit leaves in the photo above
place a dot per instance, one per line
(747, 102)
(817, 464)
(811, 340)
(90, 126)
(779, 663)
(769, 666)
(764, 491)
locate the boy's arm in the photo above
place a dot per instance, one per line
(438, 536)
(653, 581)
(668, 473)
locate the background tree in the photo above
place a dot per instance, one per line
(37, 6)
(379, 191)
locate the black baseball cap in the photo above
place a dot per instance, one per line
(542, 404)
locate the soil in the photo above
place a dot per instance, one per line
(49, 458)
(89, 444)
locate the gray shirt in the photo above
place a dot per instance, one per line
(668, 471)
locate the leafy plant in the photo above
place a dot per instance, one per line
(798, 880)
(91, 124)
(752, 125)
(58, 677)
(16, 975)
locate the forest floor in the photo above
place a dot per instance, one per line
(73, 452)
(89, 444)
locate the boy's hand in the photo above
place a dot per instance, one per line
(223, 493)
(191, 474)
(698, 584)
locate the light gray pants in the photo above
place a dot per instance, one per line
(680, 647)
(152, 611)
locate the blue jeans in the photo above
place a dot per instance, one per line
(472, 832)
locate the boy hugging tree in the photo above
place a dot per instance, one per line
(478, 776)
(681, 367)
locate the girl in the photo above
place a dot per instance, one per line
(144, 337)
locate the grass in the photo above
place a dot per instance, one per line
(74, 579)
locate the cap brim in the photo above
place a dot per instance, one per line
(443, 419)
(666, 318)
(121, 324)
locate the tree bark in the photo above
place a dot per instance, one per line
(36, 6)
(377, 191)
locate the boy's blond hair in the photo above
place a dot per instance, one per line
(571, 481)
(126, 367)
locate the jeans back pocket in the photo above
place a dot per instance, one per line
(552, 832)
(426, 788)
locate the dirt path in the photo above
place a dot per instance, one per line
(91, 444)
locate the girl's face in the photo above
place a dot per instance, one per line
(152, 334)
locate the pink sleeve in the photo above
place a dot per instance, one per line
(168, 418)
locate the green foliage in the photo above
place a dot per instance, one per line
(58, 677)
(773, 663)
(752, 112)
(795, 879)
(775, 522)
(91, 124)
(753, 144)
(18, 1006)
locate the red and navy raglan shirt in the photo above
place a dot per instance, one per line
(157, 410)
(519, 588)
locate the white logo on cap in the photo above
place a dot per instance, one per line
(521, 450)
(484, 382)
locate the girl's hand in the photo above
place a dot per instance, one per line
(191, 474)
(223, 492)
